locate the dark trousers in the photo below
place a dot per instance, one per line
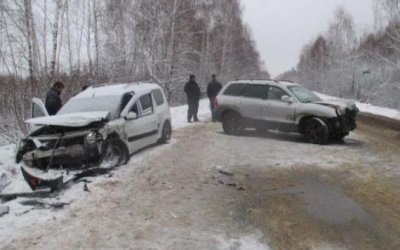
(212, 108)
(193, 109)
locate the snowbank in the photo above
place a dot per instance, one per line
(368, 108)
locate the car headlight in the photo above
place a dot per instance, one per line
(91, 138)
(340, 111)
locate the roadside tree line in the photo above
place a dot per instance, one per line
(96, 41)
(344, 63)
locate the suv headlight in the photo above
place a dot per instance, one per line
(91, 138)
(340, 111)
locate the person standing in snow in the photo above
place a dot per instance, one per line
(192, 91)
(213, 89)
(53, 101)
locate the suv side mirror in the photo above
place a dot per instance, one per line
(131, 116)
(287, 99)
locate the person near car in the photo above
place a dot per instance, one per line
(213, 89)
(53, 101)
(192, 91)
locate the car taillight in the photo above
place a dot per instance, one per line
(215, 103)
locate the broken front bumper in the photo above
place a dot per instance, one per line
(67, 153)
(343, 124)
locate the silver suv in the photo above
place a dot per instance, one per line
(283, 106)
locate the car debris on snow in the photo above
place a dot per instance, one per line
(44, 205)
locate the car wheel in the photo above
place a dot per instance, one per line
(166, 133)
(232, 123)
(114, 153)
(316, 131)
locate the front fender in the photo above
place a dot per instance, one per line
(310, 109)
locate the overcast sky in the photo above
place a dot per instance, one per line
(281, 27)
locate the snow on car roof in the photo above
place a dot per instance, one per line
(270, 82)
(116, 89)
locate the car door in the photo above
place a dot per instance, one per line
(252, 101)
(277, 113)
(37, 110)
(142, 130)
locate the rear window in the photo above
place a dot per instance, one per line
(158, 96)
(258, 91)
(234, 89)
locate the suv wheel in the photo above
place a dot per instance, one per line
(232, 123)
(165, 133)
(316, 131)
(114, 153)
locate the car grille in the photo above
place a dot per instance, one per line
(50, 144)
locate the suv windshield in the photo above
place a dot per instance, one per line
(98, 103)
(304, 95)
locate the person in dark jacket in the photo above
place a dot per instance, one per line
(53, 101)
(213, 89)
(192, 91)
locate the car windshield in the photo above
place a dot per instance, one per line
(304, 95)
(96, 103)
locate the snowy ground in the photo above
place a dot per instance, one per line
(22, 219)
(21, 216)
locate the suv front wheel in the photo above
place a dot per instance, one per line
(316, 131)
(232, 123)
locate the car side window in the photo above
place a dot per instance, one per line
(135, 109)
(158, 96)
(234, 89)
(275, 93)
(258, 91)
(125, 99)
(147, 104)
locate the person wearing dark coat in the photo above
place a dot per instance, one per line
(192, 91)
(53, 101)
(213, 89)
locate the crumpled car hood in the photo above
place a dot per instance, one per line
(337, 103)
(70, 120)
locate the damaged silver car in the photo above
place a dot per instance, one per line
(100, 126)
(284, 106)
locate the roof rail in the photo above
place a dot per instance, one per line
(98, 85)
(254, 79)
(283, 80)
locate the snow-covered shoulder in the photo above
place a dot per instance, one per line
(368, 108)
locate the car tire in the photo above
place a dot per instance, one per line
(232, 123)
(166, 133)
(316, 131)
(114, 153)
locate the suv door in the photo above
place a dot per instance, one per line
(253, 101)
(37, 110)
(143, 130)
(279, 114)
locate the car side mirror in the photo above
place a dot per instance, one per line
(287, 99)
(131, 116)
